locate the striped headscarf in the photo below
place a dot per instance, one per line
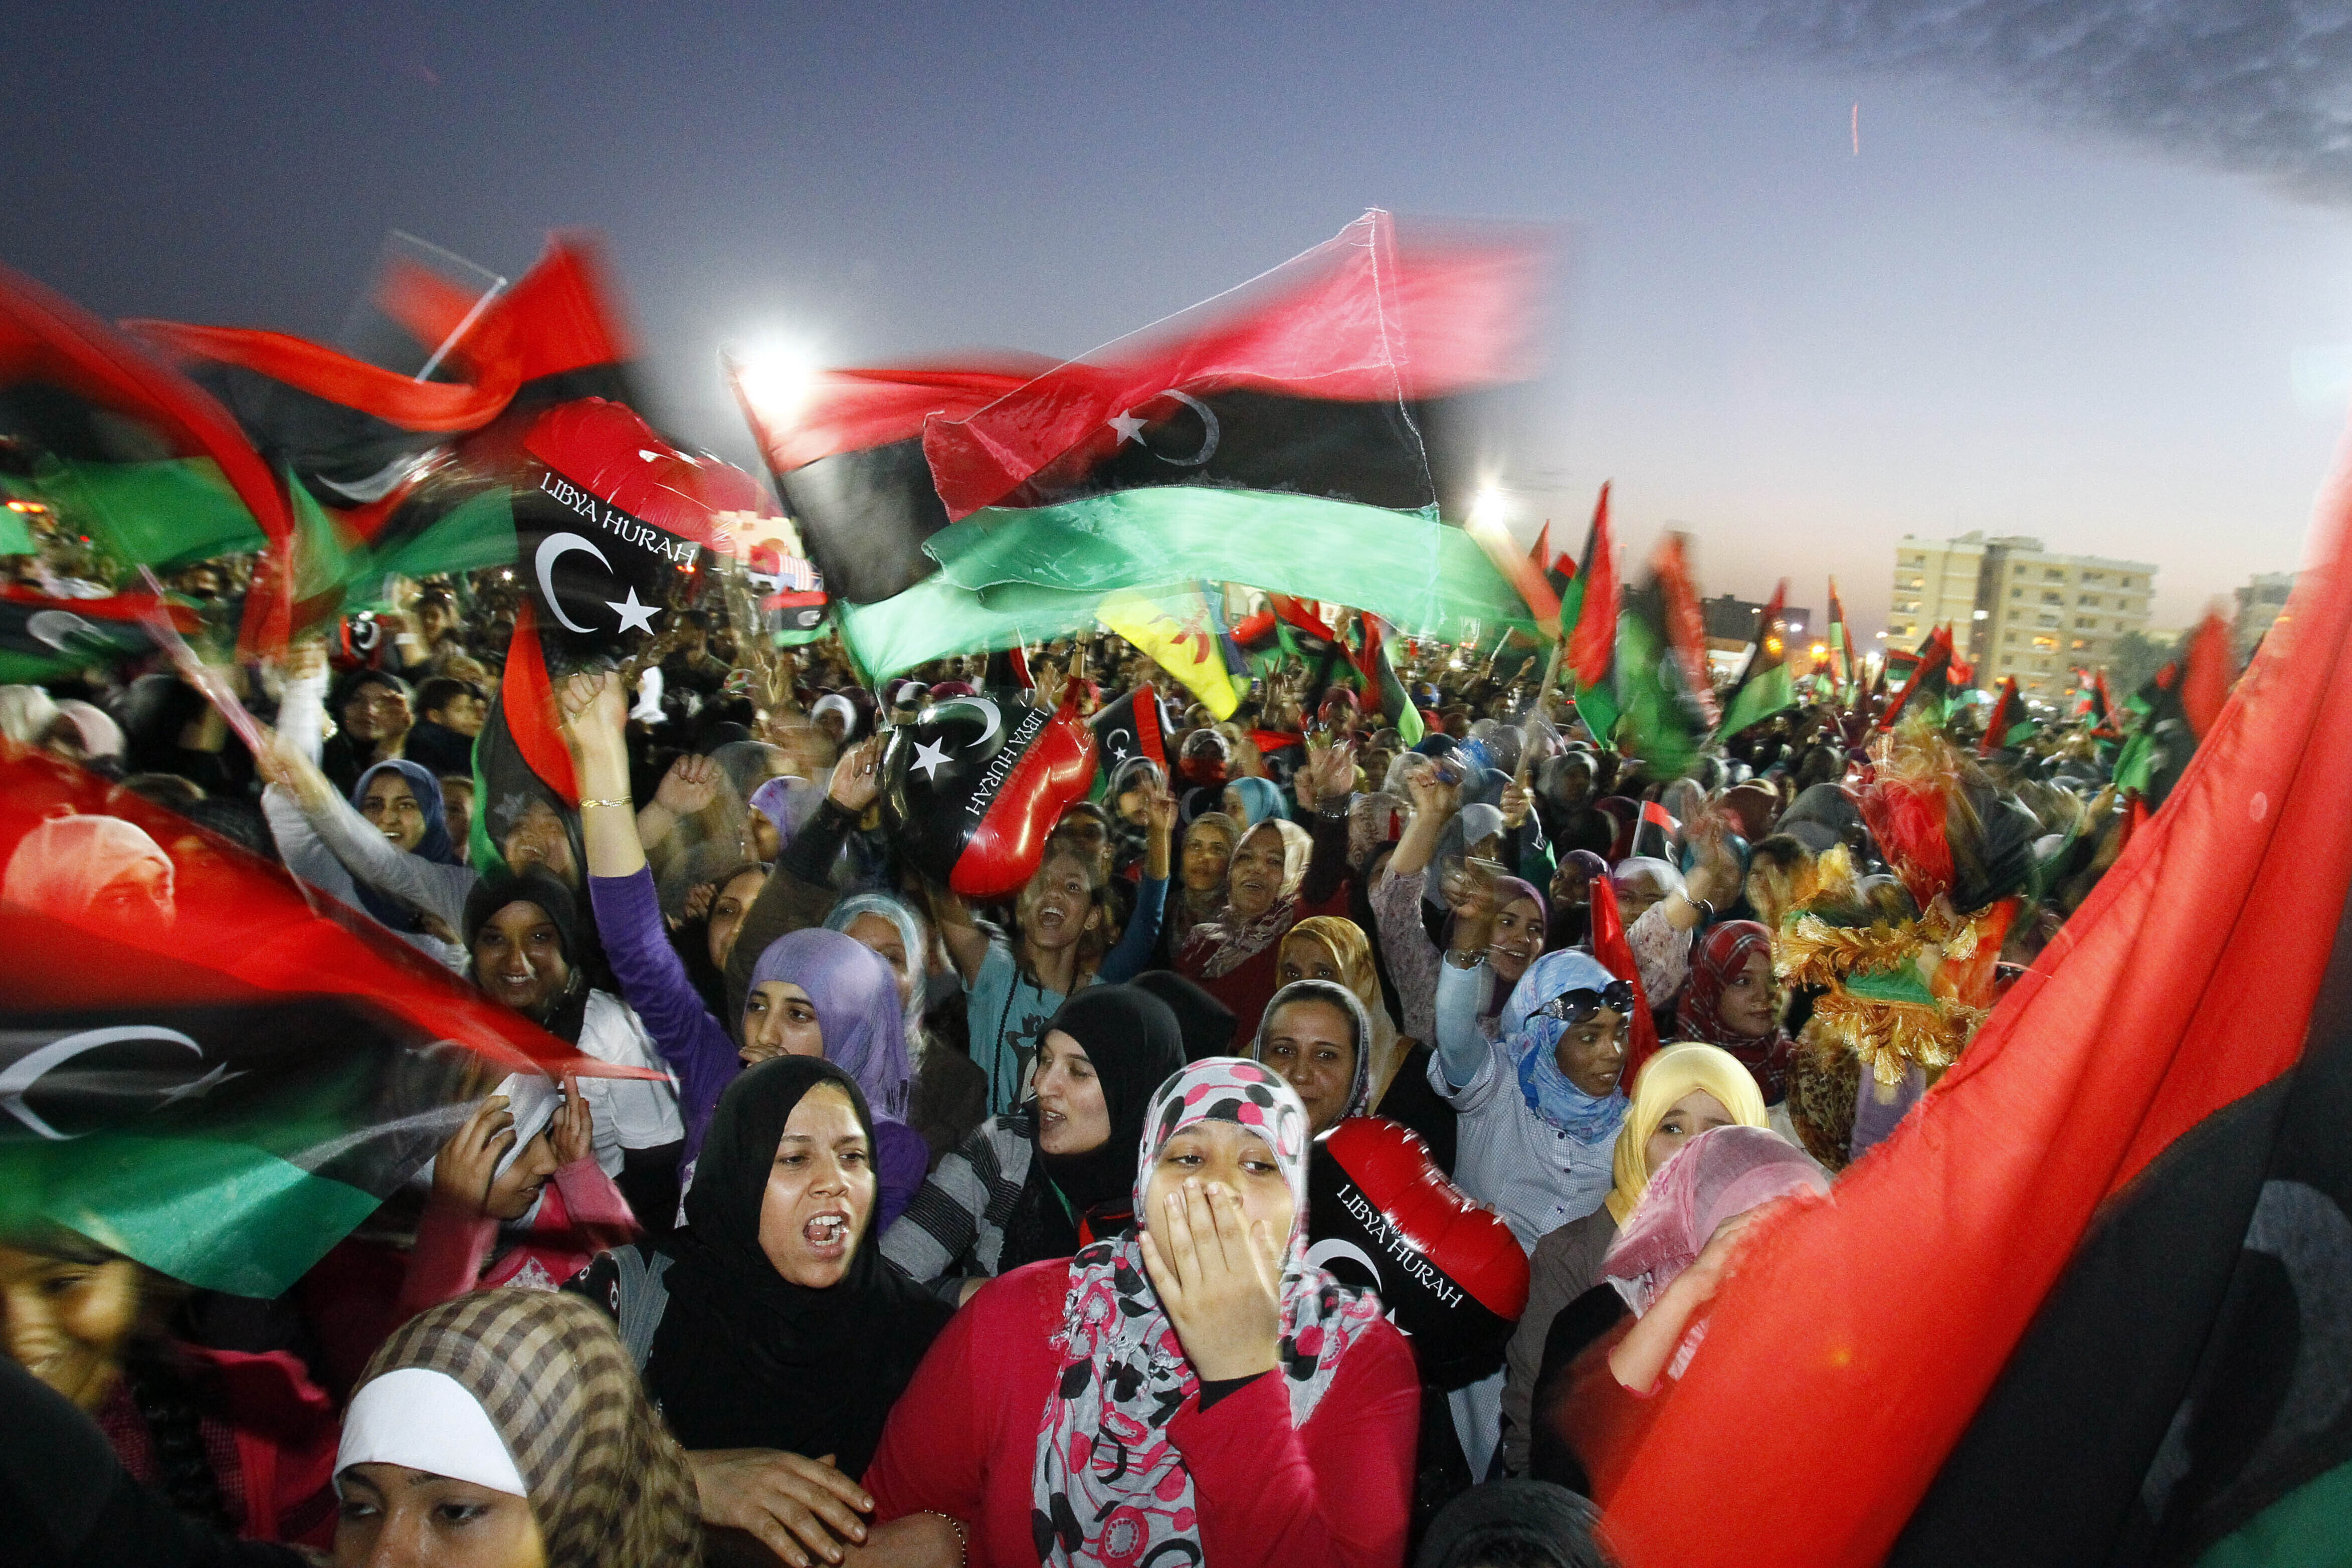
(606, 1483)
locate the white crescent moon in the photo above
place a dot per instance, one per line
(1319, 1256)
(58, 628)
(33, 1066)
(1208, 419)
(986, 705)
(554, 548)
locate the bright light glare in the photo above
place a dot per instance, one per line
(1486, 508)
(777, 379)
(1794, 627)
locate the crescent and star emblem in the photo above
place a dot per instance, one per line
(55, 629)
(635, 616)
(29, 1070)
(986, 705)
(1130, 425)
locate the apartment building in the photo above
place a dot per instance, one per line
(2259, 604)
(2017, 608)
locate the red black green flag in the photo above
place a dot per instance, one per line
(1937, 678)
(1762, 687)
(1667, 706)
(2011, 723)
(2088, 1303)
(2178, 707)
(65, 376)
(1587, 621)
(197, 1069)
(43, 638)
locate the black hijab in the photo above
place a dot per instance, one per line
(746, 1359)
(1132, 1038)
(534, 885)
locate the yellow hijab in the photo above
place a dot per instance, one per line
(1665, 1079)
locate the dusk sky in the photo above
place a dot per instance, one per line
(2050, 296)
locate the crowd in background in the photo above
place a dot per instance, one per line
(940, 1231)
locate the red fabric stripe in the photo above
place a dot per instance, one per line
(1616, 955)
(1592, 646)
(432, 406)
(1686, 626)
(563, 315)
(1845, 1348)
(2206, 686)
(527, 699)
(855, 410)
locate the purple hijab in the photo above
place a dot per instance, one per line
(856, 1000)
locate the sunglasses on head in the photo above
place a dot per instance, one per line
(1569, 1006)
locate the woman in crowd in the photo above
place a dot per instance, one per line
(1604, 1357)
(1681, 1093)
(506, 1430)
(770, 1331)
(1517, 925)
(373, 713)
(949, 1095)
(1250, 801)
(517, 1199)
(386, 850)
(1733, 1002)
(1208, 840)
(1279, 874)
(1316, 1035)
(242, 1443)
(523, 946)
(99, 873)
(1270, 1413)
(810, 991)
(1042, 1180)
(1064, 945)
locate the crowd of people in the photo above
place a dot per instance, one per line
(938, 1230)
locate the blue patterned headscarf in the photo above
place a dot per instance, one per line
(1535, 1041)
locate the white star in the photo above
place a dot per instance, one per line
(635, 617)
(930, 757)
(199, 1087)
(1129, 427)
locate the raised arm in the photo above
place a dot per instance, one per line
(1141, 937)
(1323, 789)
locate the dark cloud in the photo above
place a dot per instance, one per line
(2263, 87)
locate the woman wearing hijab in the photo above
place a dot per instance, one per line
(1279, 874)
(1316, 1035)
(1268, 1414)
(517, 1199)
(96, 872)
(1250, 801)
(769, 1329)
(950, 1096)
(1043, 1179)
(1333, 948)
(1681, 1093)
(523, 949)
(1517, 919)
(809, 991)
(1732, 1001)
(1209, 841)
(1605, 1357)
(508, 1425)
(1571, 899)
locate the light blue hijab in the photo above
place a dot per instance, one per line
(1535, 1041)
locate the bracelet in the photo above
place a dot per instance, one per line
(622, 801)
(1706, 911)
(1455, 957)
(963, 1542)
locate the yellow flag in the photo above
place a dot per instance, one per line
(1176, 631)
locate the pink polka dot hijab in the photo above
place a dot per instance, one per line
(1109, 1487)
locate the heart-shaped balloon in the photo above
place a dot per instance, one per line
(974, 786)
(1448, 1269)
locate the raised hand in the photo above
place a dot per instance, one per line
(572, 1133)
(691, 784)
(1517, 801)
(857, 777)
(1219, 1278)
(1434, 794)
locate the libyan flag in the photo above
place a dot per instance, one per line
(1291, 437)
(2178, 707)
(2012, 724)
(224, 1096)
(2092, 1302)
(1588, 627)
(43, 638)
(1668, 708)
(1762, 687)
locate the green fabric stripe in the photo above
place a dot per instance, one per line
(160, 514)
(480, 533)
(2308, 1528)
(1766, 694)
(1413, 571)
(934, 618)
(221, 1215)
(1660, 732)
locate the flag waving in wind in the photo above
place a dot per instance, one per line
(1762, 687)
(1588, 623)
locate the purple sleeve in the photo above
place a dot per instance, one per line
(901, 1160)
(654, 983)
